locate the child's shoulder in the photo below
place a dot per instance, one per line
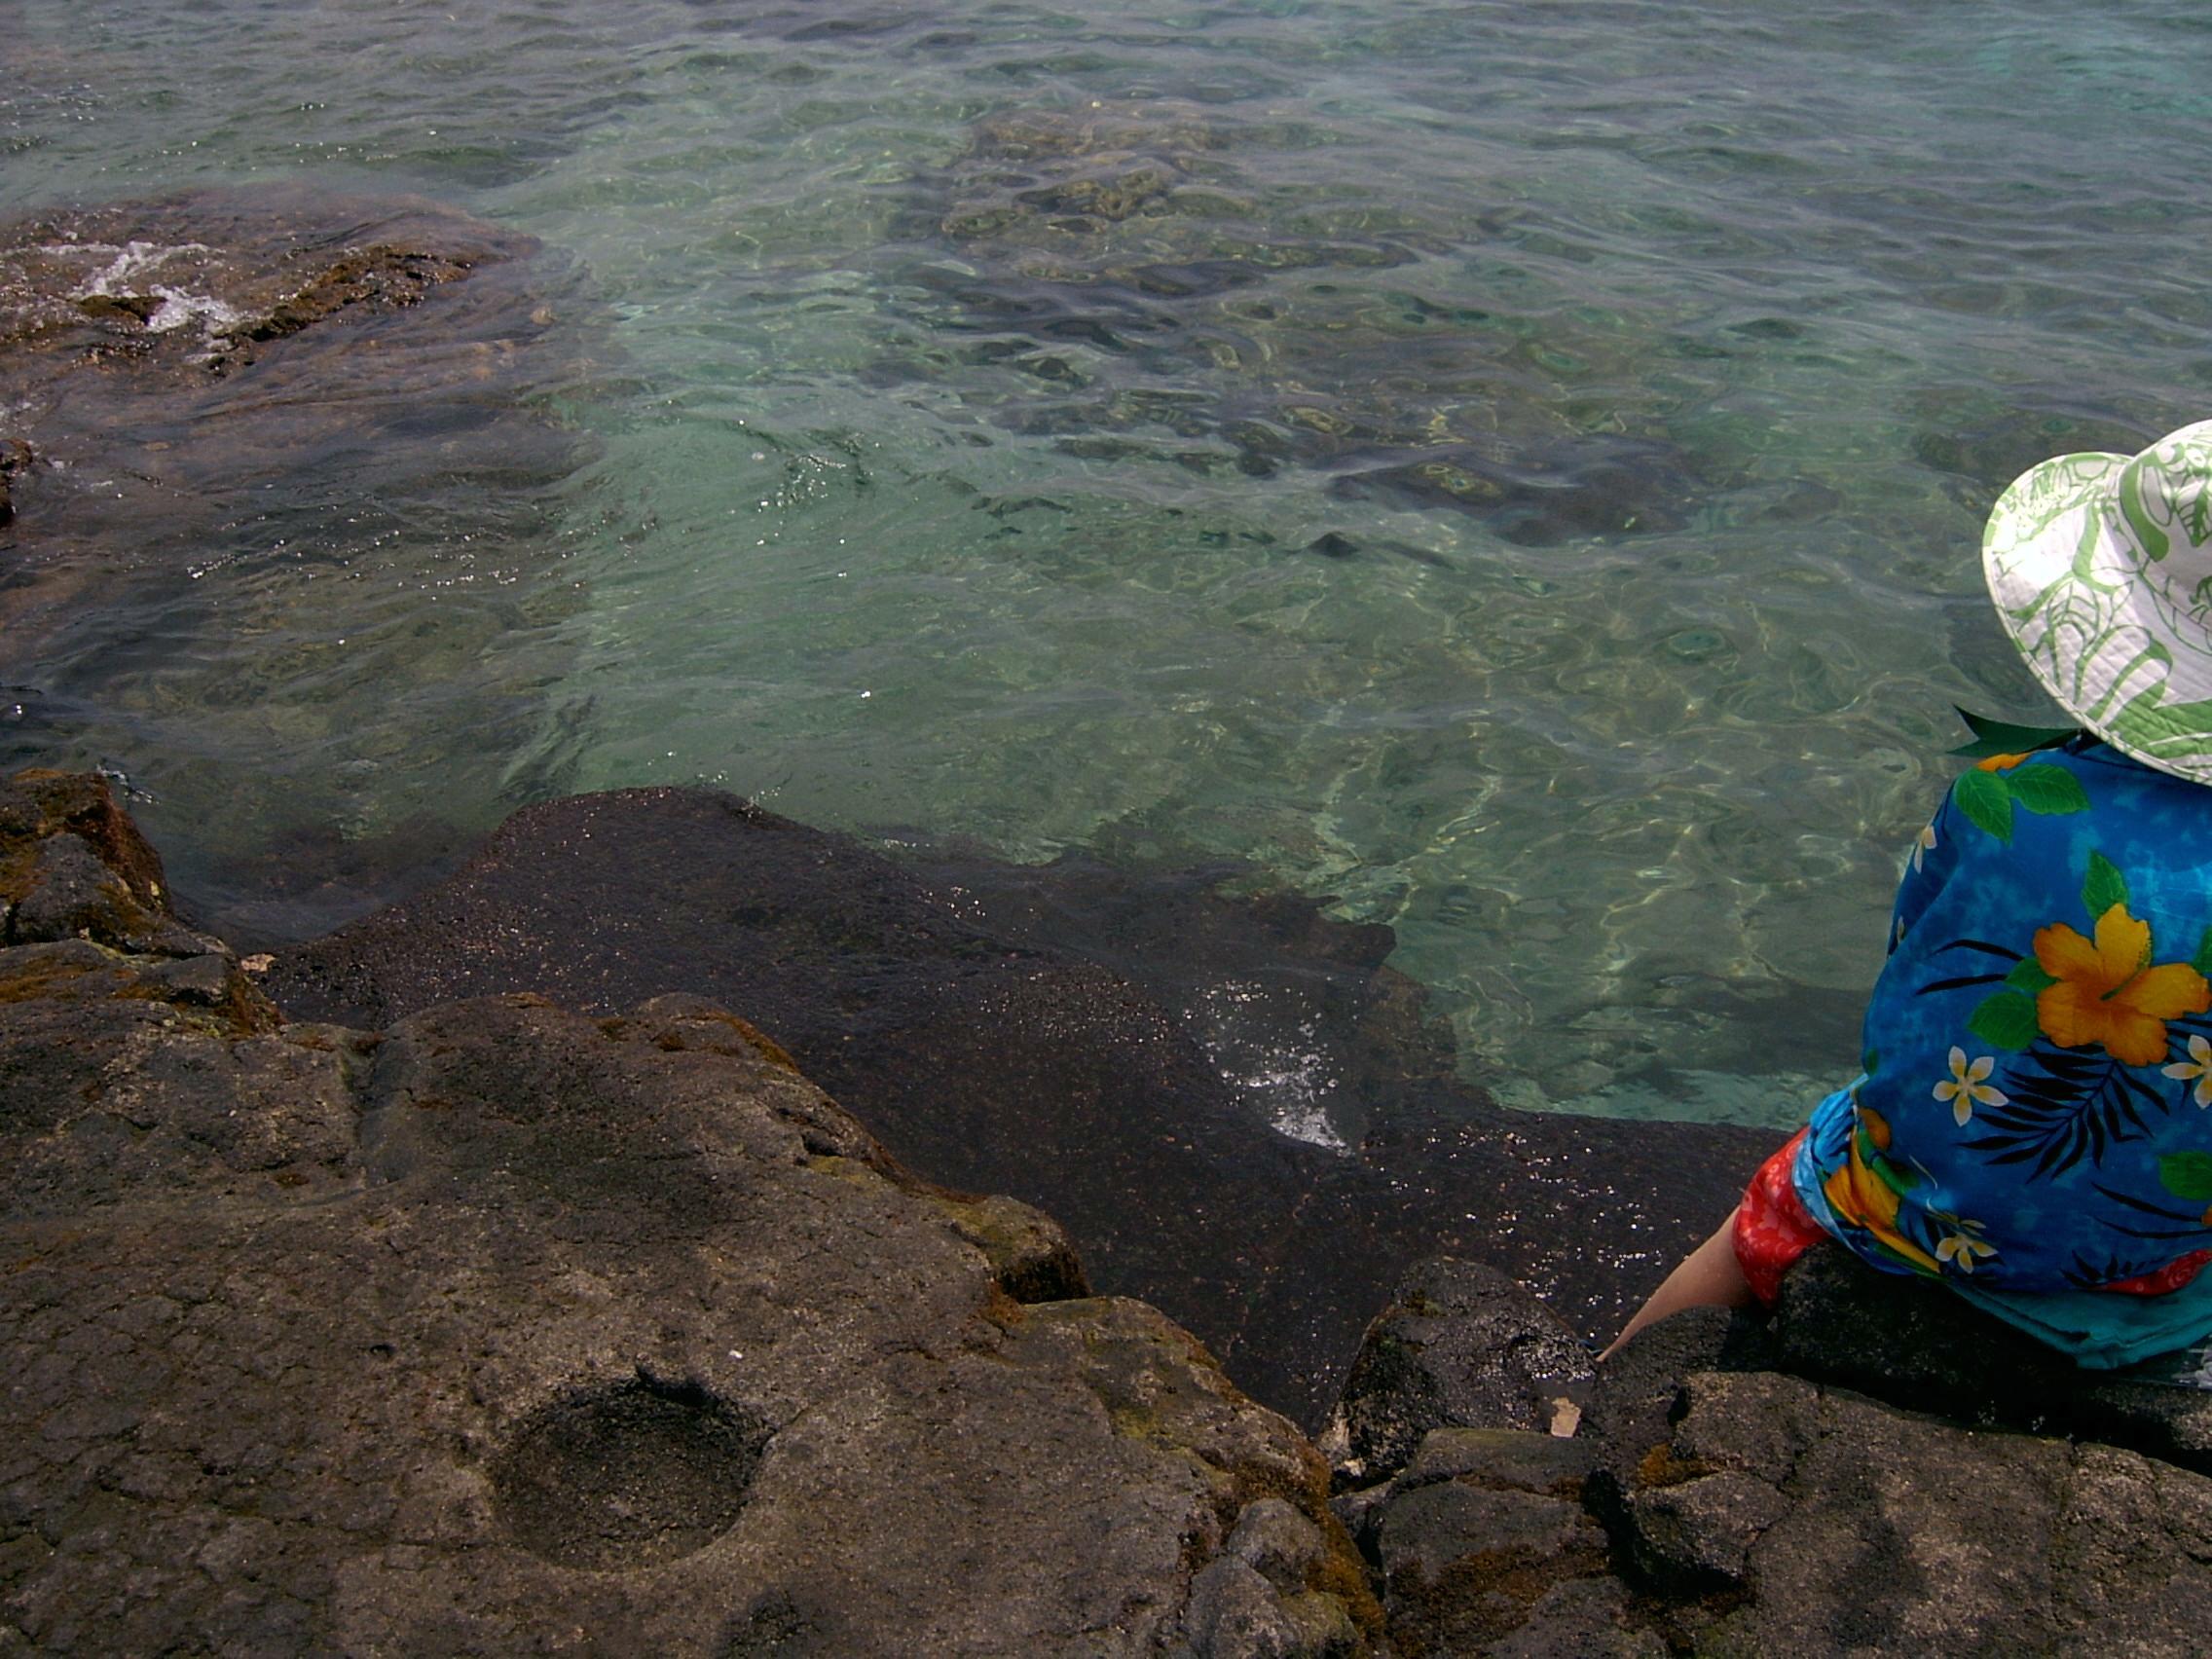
(2083, 774)
(2079, 816)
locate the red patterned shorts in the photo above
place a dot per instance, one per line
(1773, 1229)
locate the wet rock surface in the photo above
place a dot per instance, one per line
(1460, 1345)
(1076, 1037)
(506, 1328)
(146, 348)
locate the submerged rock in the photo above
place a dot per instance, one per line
(120, 326)
(1121, 279)
(508, 1328)
(1540, 494)
(226, 418)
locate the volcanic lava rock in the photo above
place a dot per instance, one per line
(509, 1328)
(120, 325)
(1783, 1516)
(1912, 1344)
(1460, 1345)
(1712, 1501)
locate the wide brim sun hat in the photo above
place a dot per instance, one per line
(2101, 570)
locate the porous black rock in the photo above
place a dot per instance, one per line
(1461, 1345)
(506, 1326)
(1911, 1343)
(1713, 1501)
(1784, 1516)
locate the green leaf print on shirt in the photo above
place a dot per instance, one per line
(2048, 789)
(1989, 792)
(1987, 803)
(2002, 737)
(2005, 1020)
(2202, 960)
(2103, 887)
(2186, 1175)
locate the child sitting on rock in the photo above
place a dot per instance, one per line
(2034, 1122)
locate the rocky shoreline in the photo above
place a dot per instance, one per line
(1073, 1036)
(493, 1325)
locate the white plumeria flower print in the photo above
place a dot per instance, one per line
(1961, 1250)
(2199, 1065)
(1923, 843)
(1968, 1088)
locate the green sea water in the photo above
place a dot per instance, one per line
(1516, 468)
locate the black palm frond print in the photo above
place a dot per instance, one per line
(2158, 1221)
(2080, 1104)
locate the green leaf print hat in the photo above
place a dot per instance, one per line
(2101, 570)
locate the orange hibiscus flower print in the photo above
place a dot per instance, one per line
(2107, 992)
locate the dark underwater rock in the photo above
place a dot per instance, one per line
(1081, 1038)
(16, 457)
(1540, 494)
(1983, 440)
(227, 415)
(1118, 278)
(120, 326)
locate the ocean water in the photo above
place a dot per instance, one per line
(1517, 469)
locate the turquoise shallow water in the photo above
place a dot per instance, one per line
(1515, 467)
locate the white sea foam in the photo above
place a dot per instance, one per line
(124, 272)
(178, 309)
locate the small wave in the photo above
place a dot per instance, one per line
(130, 259)
(1288, 1084)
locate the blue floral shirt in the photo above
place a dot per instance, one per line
(2036, 1111)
